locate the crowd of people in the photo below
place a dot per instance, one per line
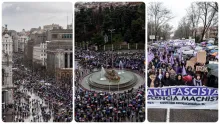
(93, 106)
(51, 102)
(108, 59)
(169, 68)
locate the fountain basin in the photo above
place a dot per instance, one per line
(127, 80)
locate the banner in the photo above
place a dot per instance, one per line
(183, 97)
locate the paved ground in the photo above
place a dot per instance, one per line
(34, 96)
(182, 115)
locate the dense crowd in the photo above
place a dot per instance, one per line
(91, 106)
(109, 59)
(169, 68)
(54, 101)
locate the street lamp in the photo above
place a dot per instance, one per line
(111, 30)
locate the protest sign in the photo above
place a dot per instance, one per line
(193, 59)
(190, 63)
(183, 97)
(201, 57)
(201, 68)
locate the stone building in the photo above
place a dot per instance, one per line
(7, 84)
(59, 53)
(39, 54)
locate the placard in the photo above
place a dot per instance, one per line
(194, 59)
(201, 68)
(190, 63)
(201, 57)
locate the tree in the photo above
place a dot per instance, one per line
(207, 15)
(193, 15)
(127, 36)
(183, 30)
(166, 31)
(159, 15)
(98, 39)
(117, 38)
(214, 5)
(136, 30)
(92, 21)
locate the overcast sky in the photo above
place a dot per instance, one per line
(178, 8)
(29, 15)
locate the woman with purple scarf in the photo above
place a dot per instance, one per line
(197, 80)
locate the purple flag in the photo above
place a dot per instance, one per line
(150, 57)
(172, 61)
(183, 71)
(180, 56)
(161, 58)
(166, 59)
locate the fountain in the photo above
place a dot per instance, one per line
(120, 68)
(102, 74)
(111, 80)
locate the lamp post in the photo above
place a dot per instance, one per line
(111, 30)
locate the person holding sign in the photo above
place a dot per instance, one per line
(197, 80)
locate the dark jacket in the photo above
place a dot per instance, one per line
(167, 82)
(179, 82)
(190, 73)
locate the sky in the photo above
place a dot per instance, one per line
(27, 15)
(178, 9)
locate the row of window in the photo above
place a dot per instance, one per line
(63, 36)
(6, 46)
(67, 36)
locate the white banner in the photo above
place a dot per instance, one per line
(183, 98)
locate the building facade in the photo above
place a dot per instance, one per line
(39, 54)
(212, 32)
(22, 41)
(7, 84)
(59, 53)
(51, 27)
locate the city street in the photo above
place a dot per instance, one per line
(37, 62)
(31, 104)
